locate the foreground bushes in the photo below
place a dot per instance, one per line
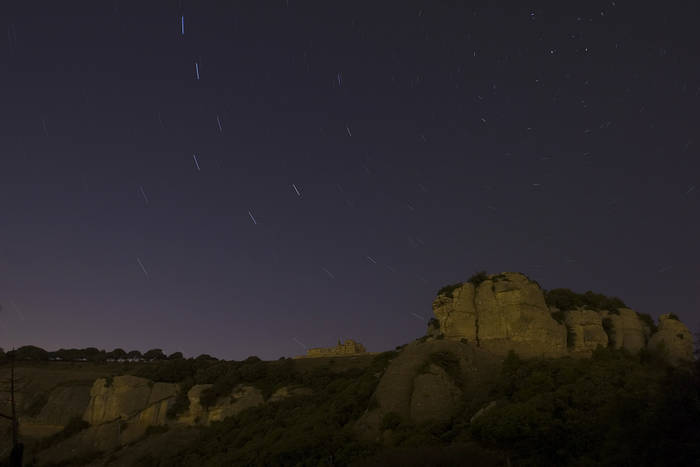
(613, 409)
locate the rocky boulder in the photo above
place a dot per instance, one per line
(241, 398)
(627, 331)
(502, 313)
(586, 331)
(428, 380)
(128, 397)
(63, 403)
(674, 338)
(456, 313)
(435, 395)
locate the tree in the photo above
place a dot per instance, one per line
(175, 356)
(117, 354)
(93, 354)
(154, 354)
(31, 352)
(134, 355)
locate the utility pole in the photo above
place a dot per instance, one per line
(17, 447)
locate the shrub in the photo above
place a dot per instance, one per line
(478, 278)
(434, 323)
(31, 352)
(648, 320)
(558, 316)
(565, 299)
(448, 289)
(448, 362)
(570, 336)
(610, 331)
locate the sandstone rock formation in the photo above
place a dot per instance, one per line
(586, 331)
(63, 404)
(628, 331)
(503, 313)
(121, 409)
(416, 387)
(508, 311)
(673, 337)
(129, 397)
(435, 395)
(241, 398)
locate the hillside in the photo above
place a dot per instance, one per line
(507, 374)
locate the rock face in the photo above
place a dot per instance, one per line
(457, 313)
(289, 391)
(508, 311)
(628, 332)
(503, 313)
(415, 386)
(674, 338)
(585, 331)
(435, 395)
(241, 398)
(63, 404)
(129, 398)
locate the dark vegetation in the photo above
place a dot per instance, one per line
(478, 278)
(304, 430)
(448, 362)
(434, 323)
(74, 426)
(612, 409)
(648, 320)
(558, 316)
(448, 289)
(610, 331)
(475, 279)
(89, 354)
(565, 299)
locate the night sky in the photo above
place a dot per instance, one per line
(274, 175)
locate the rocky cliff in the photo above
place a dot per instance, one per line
(508, 311)
(120, 411)
(672, 337)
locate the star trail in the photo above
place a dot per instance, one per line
(145, 196)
